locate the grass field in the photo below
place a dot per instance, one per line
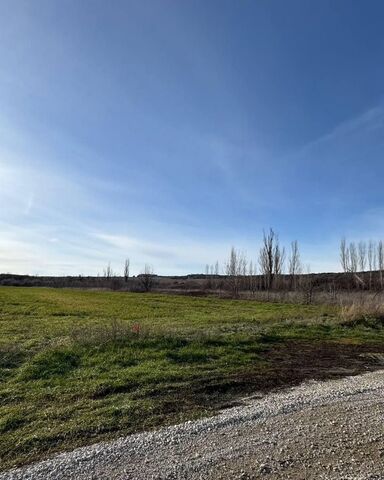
(79, 366)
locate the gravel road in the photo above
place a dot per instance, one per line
(319, 430)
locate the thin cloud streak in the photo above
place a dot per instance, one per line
(368, 120)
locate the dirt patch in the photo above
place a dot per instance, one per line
(289, 364)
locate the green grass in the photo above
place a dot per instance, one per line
(78, 366)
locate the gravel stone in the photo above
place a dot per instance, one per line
(319, 430)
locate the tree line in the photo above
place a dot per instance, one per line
(364, 261)
(278, 268)
(265, 273)
(145, 277)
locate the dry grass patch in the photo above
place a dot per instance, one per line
(363, 313)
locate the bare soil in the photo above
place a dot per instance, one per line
(290, 364)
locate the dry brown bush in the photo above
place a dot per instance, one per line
(366, 311)
(113, 331)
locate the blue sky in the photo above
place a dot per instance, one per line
(167, 131)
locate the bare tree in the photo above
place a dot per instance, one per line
(278, 259)
(294, 263)
(252, 271)
(108, 272)
(126, 269)
(209, 269)
(362, 251)
(267, 258)
(344, 255)
(217, 268)
(146, 278)
(374, 257)
(380, 261)
(279, 262)
(371, 260)
(353, 257)
(243, 264)
(271, 258)
(308, 285)
(234, 269)
(349, 256)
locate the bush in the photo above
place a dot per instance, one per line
(114, 332)
(368, 314)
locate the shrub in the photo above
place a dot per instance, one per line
(114, 332)
(369, 314)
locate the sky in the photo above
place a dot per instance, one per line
(168, 131)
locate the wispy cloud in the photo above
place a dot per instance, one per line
(369, 120)
(168, 255)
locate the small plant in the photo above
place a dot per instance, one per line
(136, 328)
